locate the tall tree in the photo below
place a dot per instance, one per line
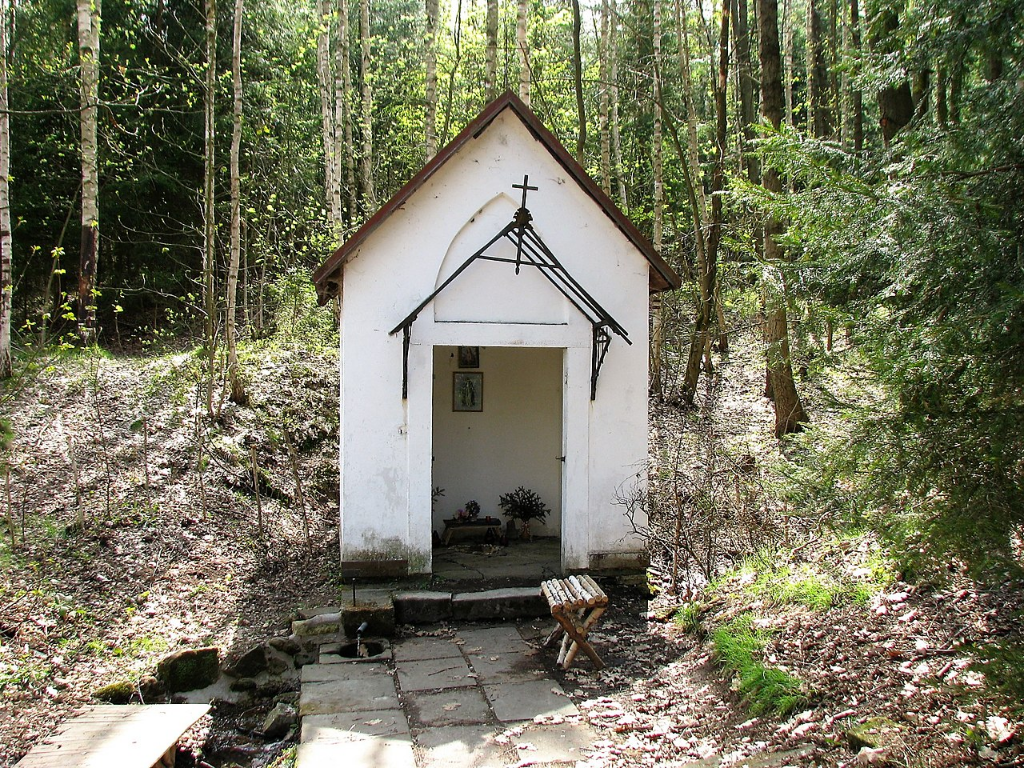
(613, 77)
(209, 198)
(857, 97)
(6, 367)
(658, 203)
(430, 118)
(789, 411)
(332, 157)
(89, 16)
(577, 65)
(707, 277)
(237, 393)
(819, 113)
(603, 103)
(491, 66)
(366, 122)
(344, 144)
(522, 16)
(895, 100)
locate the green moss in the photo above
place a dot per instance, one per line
(120, 692)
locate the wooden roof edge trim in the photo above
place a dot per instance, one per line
(471, 131)
(668, 279)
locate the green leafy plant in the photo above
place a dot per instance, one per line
(763, 689)
(525, 506)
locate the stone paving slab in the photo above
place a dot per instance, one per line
(457, 706)
(490, 639)
(507, 666)
(322, 673)
(378, 752)
(513, 702)
(466, 746)
(356, 694)
(430, 674)
(565, 742)
(417, 648)
(348, 726)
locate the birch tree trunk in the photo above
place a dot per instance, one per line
(430, 118)
(345, 147)
(89, 16)
(332, 157)
(521, 46)
(789, 412)
(613, 76)
(369, 195)
(491, 74)
(604, 100)
(209, 213)
(237, 394)
(577, 62)
(6, 367)
(657, 162)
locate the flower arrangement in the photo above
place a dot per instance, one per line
(523, 505)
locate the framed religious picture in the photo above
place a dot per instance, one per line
(467, 391)
(469, 357)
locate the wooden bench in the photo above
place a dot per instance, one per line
(576, 604)
(490, 526)
(123, 736)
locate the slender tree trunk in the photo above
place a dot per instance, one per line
(741, 34)
(577, 62)
(209, 201)
(941, 107)
(692, 145)
(89, 16)
(708, 271)
(613, 76)
(6, 367)
(430, 118)
(454, 71)
(819, 117)
(789, 411)
(604, 101)
(491, 74)
(657, 161)
(237, 394)
(343, 111)
(790, 62)
(369, 194)
(522, 14)
(858, 97)
(332, 175)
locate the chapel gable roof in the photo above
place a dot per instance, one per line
(662, 276)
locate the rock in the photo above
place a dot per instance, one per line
(249, 664)
(243, 685)
(288, 645)
(288, 697)
(277, 662)
(323, 628)
(304, 658)
(150, 687)
(189, 669)
(120, 692)
(279, 720)
(875, 733)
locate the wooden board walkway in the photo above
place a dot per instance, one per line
(125, 736)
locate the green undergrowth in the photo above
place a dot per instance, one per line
(739, 647)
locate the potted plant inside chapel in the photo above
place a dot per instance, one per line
(525, 506)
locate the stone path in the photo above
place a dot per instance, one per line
(480, 699)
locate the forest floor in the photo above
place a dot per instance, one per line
(126, 551)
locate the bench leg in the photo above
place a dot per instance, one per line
(576, 639)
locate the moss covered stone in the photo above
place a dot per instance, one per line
(874, 733)
(120, 692)
(189, 669)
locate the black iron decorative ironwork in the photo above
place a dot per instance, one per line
(531, 251)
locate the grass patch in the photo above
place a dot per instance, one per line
(763, 689)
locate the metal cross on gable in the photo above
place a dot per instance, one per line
(522, 218)
(531, 251)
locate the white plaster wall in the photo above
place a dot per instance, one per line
(514, 441)
(386, 442)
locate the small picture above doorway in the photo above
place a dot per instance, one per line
(469, 357)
